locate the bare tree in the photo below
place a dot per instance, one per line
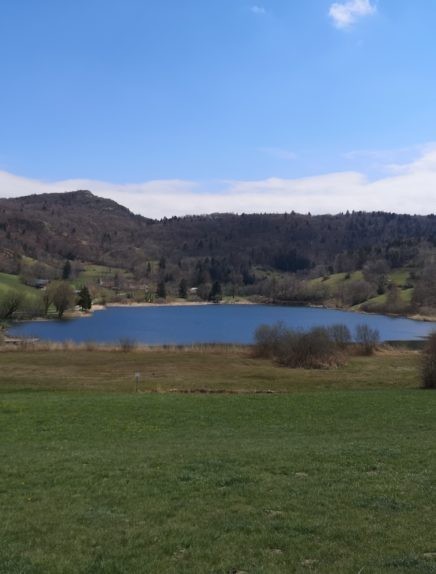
(367, 338)
(63, 297)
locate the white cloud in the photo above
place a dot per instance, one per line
(345, 14)
(407, 188)
(256, 9)
(381, 161)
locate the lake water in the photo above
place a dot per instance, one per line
(207, 324)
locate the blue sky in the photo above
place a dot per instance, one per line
(229, 105)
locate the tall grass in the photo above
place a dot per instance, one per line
(24, 344)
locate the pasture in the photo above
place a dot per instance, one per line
(220, 464)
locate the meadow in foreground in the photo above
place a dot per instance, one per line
(332, 474)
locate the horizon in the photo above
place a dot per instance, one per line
(255, 107)
(218, 213)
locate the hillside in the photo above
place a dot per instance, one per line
(76, 225)
(81, 225)
(257, 254)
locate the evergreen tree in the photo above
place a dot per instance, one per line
(84, 300)
(183, 289)
(215, 294)
(66, 271)
(161, 291)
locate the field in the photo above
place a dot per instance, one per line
(399, 277)
(244, 467)
(8, 282)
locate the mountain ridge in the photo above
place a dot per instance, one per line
(80, 225)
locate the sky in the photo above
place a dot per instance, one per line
(175, 107)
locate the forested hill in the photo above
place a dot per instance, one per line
(79, 225)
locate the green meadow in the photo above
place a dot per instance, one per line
(8, 282)
(221, 463)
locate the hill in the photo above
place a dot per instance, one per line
(252, 254)
(81, 225)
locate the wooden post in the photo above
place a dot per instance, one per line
(137, 381)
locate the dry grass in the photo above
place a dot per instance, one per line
(199, 369)
(34, 345)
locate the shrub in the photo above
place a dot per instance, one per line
(367, 339)
(311, 349)
(268, 338)
(340, 334)
(428, 363)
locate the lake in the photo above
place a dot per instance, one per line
(190, 324)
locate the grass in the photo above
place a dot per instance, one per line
(336, 279)
(8, 282)
(400, 277)
(333, 475)
(92, 273)
(189, 370)
(405, 296)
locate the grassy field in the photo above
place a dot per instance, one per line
(399, 277)
(218, 369)
(8, 282)
(93, 273)
(337, 278)
(334, 473)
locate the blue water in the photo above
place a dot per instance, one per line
(207, 324)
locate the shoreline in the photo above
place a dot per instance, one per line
(176, 303)
(181, 303)
(77, 314)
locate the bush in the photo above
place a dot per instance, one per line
(340, 334)
(268, 339)
(311, 349)
(367, 339)
(428, 363)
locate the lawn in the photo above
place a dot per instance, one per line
(336, 279)
(331, 474)
(8, 282)
(405, 296)
(93, 273)
(399, 277)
